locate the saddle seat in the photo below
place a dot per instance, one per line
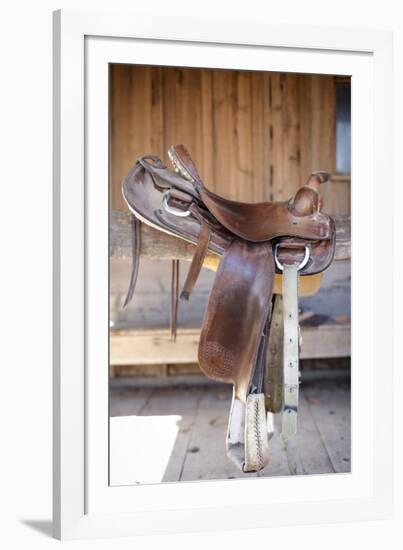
(264, 221)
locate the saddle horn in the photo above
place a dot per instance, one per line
(307, 199)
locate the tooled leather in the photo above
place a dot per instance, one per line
(218, 362)
(236, 313)
(259, 222)
(180, 157)
(141, 192)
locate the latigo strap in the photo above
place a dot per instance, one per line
(290, 350)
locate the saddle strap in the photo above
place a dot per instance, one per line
(273, 377)
(197, 261)
(290, 350)
(174, 298)
(136, 245)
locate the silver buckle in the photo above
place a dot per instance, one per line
(170, 210)
(300, 266)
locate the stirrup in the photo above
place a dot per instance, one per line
(248, 435)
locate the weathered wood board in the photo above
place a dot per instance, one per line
(148, 347)
(192, 446)
(161, 246)
(149, 310)
(254, 135)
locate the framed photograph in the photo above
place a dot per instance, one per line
(216, 229)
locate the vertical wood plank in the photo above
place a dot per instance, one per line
(242, 115)
(323, 122)
(224, 131)
(276, 143)
(135, 121)
(182, 110)
(254, 136)
(291, 135)
(305, 109)
(318, 138)
(260, 174)
(207, 168)
(268, 166)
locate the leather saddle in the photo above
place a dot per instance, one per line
(249, 337)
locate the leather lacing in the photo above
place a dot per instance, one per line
(258, 438)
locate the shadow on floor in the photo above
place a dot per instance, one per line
(42, 526)
(183, 429)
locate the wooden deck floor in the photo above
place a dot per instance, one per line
(160, 434)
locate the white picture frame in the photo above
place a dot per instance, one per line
(85, 505)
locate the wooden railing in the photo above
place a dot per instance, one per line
(158, 245)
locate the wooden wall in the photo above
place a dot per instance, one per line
(254, 136)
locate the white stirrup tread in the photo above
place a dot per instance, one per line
(247, 436)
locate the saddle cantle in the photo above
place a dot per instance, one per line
(254, 241)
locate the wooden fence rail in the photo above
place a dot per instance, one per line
(158, 245)
(152, 349)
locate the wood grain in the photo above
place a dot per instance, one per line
(161, 246)
(136, 121)
(201, 416)
(254, 135)
(148, 347)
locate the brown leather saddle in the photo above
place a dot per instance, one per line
(244, 321)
